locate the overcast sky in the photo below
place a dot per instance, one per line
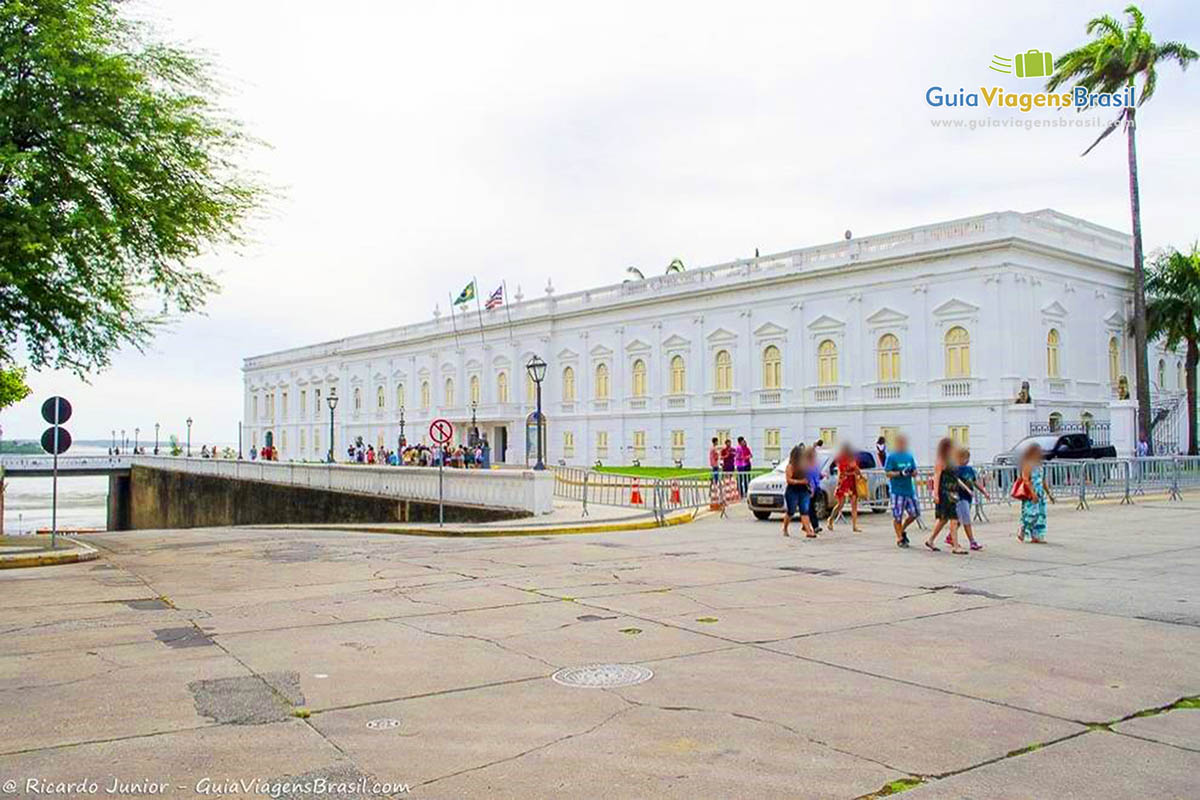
(415, 145)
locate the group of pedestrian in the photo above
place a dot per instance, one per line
(729, 458)
(955, 487)
(474, 455)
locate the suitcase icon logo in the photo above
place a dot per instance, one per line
(1034, 64)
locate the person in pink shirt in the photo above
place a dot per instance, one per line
(714, 459)
(741, 462)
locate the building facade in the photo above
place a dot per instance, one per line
(931, 331)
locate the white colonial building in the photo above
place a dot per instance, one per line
(930, 331)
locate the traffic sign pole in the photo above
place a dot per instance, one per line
(56, 439)
(54, 491)
(441, 431)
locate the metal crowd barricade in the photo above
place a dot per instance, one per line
(1089, 480)
(658, 496)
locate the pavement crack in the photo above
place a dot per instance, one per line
(762, 721)
(477, 638)
(545, 745)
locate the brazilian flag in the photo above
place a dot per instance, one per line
(466, 295)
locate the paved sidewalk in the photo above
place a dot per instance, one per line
(760, 667)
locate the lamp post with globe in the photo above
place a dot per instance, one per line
(537, 373)
(333, 401)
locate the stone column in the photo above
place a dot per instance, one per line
(1016, 423)
(1122, 415)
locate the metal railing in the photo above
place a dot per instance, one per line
(1099, 431)
(659, 496)
(1123, 479)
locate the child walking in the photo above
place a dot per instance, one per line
(1033, 510)
(968, 485)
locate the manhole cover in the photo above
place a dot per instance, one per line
(383, 724)
(602, 676)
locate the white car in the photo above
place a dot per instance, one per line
(765, 494)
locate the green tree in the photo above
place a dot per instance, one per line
(1173, 312)
(12, 386)
(117, 168)
(1116, 58)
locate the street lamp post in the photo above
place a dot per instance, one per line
(156, 438)
(333, 401)
(114, 441)
(136, 433)
(189, 437)
(124, 441)
(400, 441)
(537, 373)
(474, 427)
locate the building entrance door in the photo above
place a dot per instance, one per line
(500, 444)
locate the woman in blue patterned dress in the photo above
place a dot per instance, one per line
(1033, 512)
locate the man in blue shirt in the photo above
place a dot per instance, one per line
(901, 467)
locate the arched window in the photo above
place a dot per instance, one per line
(1114, 361)
(530, 389)
(602, 381)
(357, 399)
(502, 386)
(958, 353)
(724, 373)
(399, 395)
(889, 359)
(473, 388)
(678, 375)
(254, 403)
(827, 363)
(639, 378)
(425, 395)
(1162, 374)
(568, 384)
(1052, 340)
(448, 395)
(772, 366)
(380, 399)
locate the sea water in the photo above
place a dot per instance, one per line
(82, 500)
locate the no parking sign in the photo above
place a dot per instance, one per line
(441, 431)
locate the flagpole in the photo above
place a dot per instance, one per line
(452, 322)
(507, 313)
(478, 308)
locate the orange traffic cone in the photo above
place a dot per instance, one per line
(635, 497)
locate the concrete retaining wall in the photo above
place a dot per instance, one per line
(166, 498)
(516, 490)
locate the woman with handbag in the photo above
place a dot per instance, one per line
(1032, 490)
(847, 486)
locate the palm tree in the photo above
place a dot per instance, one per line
(1115, 59)
(1173, 312)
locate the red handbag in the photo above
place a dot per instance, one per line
(1022, 489)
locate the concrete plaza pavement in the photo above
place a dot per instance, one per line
(828, 668)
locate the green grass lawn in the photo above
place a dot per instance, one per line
(666, 472)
